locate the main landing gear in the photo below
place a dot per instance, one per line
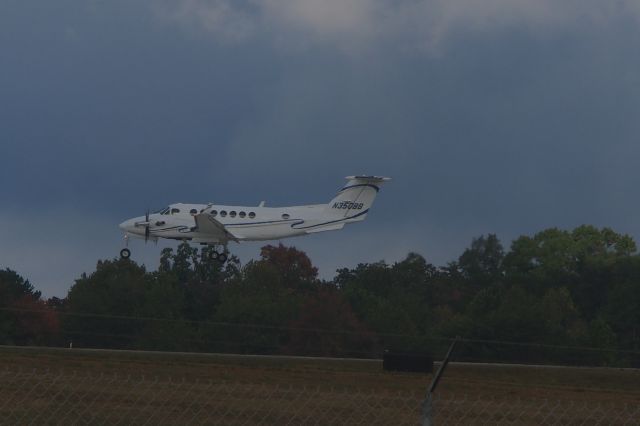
(220, 257)
(125, 253)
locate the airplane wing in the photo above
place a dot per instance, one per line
(207, 224)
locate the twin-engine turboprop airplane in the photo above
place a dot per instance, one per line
(218, 224)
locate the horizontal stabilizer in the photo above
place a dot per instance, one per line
(369, 179)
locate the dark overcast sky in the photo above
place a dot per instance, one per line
(501, 116)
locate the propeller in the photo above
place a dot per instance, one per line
(147, 231)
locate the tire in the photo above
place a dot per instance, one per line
(125, 253)
(214, 255)
(222, 258)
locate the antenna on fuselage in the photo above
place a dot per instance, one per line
(261, 204)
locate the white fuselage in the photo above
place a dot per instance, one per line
(213, 223)
(246, 223)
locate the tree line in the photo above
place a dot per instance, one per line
(558, 296)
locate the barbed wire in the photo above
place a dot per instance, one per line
(441, 339)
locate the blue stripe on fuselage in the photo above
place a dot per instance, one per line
(360, 184)
(329, 222)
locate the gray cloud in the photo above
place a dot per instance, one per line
(358, 24)
(230, 21)
(497, 116)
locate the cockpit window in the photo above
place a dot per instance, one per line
(164, 211)
(174, 210)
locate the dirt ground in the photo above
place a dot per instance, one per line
(93, 387)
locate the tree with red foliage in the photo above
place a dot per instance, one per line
(293, 266)
(24, 318)
(327, 326)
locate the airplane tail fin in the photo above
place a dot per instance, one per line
(356, 198)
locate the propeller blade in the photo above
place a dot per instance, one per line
(147, 231)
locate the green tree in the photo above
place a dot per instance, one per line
(13, 287)
(561, 318)
(200, 277)
(256, 306)
(622, 312)
(482, 262)
(395, 301)
(582, 260)
(120, 305)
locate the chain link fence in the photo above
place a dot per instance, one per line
(45, 397)
(38, 397)
(452, 409)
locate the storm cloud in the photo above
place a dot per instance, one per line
(497, 116)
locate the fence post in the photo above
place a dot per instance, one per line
(427, 412)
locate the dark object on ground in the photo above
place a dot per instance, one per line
(411, 362)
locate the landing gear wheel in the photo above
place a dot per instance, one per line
(125, 253)
(222, 258)
(213, 255)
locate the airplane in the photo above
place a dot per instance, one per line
(214, 224)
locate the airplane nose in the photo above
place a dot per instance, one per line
(126, 225)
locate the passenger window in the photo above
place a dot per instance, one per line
(232, 213)
(223, 213)
(193, 211)
(285, 216)
(242, 214)
(252, 215)
(214, 213)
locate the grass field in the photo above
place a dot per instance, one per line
(92, 387)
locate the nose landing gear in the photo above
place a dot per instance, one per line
(125, 253)
(221, 257)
